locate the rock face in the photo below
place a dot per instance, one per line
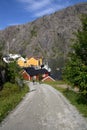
(48, 36)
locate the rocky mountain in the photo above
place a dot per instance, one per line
(49, 36)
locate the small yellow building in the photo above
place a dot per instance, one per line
(34, 61)
(29, 62)
(21, 62)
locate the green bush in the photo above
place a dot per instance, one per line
(12, 72)
(10, 96)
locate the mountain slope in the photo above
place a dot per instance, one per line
(48, 36)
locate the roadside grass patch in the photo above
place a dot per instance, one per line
(72, 96)
(10, 96)
(75, 99)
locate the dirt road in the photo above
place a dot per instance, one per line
(44, 108)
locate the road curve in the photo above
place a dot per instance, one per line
(44, 108)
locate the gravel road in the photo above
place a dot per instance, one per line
(44, 108)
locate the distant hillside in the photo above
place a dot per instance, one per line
(48, 36)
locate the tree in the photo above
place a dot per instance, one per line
(12, 72)
(75, 71)
(2, 66)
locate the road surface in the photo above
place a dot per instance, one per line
(44, 108)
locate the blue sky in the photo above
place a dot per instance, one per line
(14, 12)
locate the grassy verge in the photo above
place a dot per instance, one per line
(10, 96)
(73, 97)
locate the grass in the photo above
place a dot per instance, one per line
(73, 97)
(10, 96)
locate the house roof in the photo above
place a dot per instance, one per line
(32, 71)
(21, 58)
(35, 57)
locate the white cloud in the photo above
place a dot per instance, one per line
(43, 7)
(35, 5)
(12, 24)
(39, 5)
(44, 12)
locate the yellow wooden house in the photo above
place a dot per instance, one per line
(21, 62)
(32, 61)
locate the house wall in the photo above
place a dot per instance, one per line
(29, 62)
(20, 63)
(40, 61)
(48, 78)
(26, 76)
(44, 75)
(34, 62)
